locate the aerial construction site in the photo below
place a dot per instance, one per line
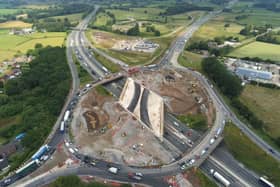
(132, 119)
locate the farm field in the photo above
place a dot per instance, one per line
(250, 154)
(73, 18)
(261, 17)
(191, 60)
(216, 28)
(262, 101)
(258, 49)
(14, 24)
(7, 11)
(137, 14)
(34, 6)
(11, 45)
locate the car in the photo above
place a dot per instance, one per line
(183, 165)
(76, 149)
(139, 174)
(191, 162)
(134, 176)
(93, 163)
(212, 141)
(176, 124)
(202, 152)
(190, 142)
(66, 144)
(88, 85)
(7, 181)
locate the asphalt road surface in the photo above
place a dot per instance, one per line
(154, 175)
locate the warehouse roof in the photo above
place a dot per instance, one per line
(253, 74)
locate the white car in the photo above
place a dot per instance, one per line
(203, 152)
(139, 174)
(76, 149)
(212, 141)
(176, 124)
(66, 144)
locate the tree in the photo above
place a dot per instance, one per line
(157, 33)
(1, 84)
(227, 25)
(134, 31)
(38, 45)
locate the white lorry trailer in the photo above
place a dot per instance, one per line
(220, 178)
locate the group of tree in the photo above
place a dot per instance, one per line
(269, 38)
(53, 25)
(258, 59)
(58, 10)
(35, 99)
(182, 7)
(112, 16)
(250, 30)
(229, 84)
(110, 22)
(213, 50)
(151, 28)
(134, 31)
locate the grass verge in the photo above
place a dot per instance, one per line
(83, 74)
(197, 121)
(191, 60)
(102, 91)
(244, 150)
(107, 63)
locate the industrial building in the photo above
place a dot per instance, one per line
(252, 74)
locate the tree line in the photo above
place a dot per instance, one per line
(268, 38)
(36, 99)
(229, 84)
(183, 7)
(53, 25)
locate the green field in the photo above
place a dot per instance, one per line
(216, 28)
(258, 49)
(73, 18)
(7, 11)
(137, 14)
(191, 60)
(102, 19)
(11, 45)
(35, 6)
(261, 17)
(264, 102)
(244, 150)
(108, 64)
